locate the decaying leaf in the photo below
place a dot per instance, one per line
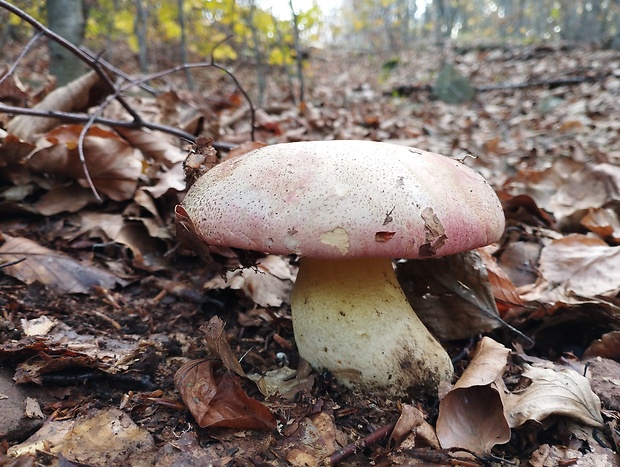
(74, 96)
(560, 391)
(268, 284)
(218, 344)
(315, 438)
(471, 415)
(451, 295)
(284, 381)
(217, 399)
(582, 265)
(52, 268)
(411, 428)
(53, 347)
(106, 437)
(113, 165)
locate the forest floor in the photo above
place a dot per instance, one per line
(105, 306)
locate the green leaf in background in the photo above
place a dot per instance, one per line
(452, 87)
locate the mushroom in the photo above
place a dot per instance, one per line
(347, 208)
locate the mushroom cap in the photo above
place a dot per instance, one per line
(345, 199)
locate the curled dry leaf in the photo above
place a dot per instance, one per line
(603, 222)
(471, 415)
(75, 96)
(154, 146)
(218, 344)
(106, 437)
(54, 269)
(451, 295)
(284, 381)
(411, 427)
(582, 265)
(114, 166)
(218, 400)
(554, 392)
(268, 284)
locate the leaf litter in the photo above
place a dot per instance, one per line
(553, 276)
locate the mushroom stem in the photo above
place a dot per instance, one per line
(352, 318)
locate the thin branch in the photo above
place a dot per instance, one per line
(83, 118)
(23, 53)
(71, 48)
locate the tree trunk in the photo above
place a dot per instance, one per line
(298, 53)
(66, 18)
(140, 26)
(188, 72)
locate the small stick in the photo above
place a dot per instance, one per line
(350, 449)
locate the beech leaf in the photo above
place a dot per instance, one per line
(471, 415)
(554, 392)
(52, 268)
(218, 400)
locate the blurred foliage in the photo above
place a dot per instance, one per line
(207, 23)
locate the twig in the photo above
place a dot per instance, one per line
(71, 48)
(22, 54)
(350, 449)
(82, 118)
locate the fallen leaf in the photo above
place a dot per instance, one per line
(268, 284)
(553, 392)
(471, 415)
(582, 265)
(106, 437)
(113, 165)
(52, 268)
(604, 222)
(218, 400)
(218, 345)
(412, 427)
(74, 96)
(314, 440)
(284, 381)
(451, 295)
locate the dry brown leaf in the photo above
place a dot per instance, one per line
(146, 250)
(582, 265)
(52, 268)
(607, 346)
(268, 284)
(284, 381)
(603, 222)
(553, 392)
(74, 96)
(114, 166)
(13, 152)
(504, 290)
(106, 437)
(218, 400)
(451, 295)
(64, 198)
(471, 415)
(154, 146)
(411, 427)
(314, 440)
(218, 345)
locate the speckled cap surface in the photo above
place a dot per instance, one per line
(345, 199)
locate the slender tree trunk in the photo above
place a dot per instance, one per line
(65, 17)
(298, 53)
(188, 72)
(140, 27)
(261, 71)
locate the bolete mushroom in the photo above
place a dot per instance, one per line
(347, 208)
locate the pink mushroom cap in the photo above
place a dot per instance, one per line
(345, 199)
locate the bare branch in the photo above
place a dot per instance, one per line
(22, 54)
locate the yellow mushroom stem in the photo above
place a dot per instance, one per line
(351, 317)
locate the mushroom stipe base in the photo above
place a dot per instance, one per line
(352, 318)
